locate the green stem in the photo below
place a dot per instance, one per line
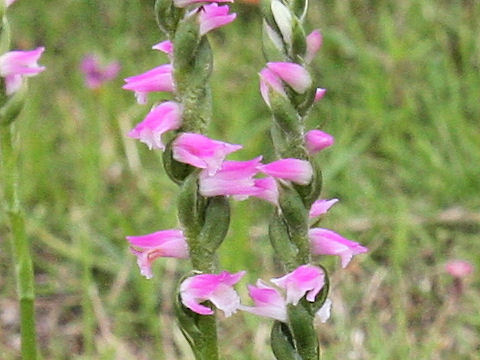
(20, 246)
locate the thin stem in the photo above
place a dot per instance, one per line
(22, 259)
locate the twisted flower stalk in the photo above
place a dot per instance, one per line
(189, 158)
(14, 66)
(288, 90)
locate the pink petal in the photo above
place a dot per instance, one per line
(328, 242)
(157, 79)
(295, 170)
(319, 94)
(316, 140)
(164, 46)
(321, 207)
(185, 3)
(213, 16)
(293, 74)
(314, 42)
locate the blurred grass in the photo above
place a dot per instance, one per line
(403, 82)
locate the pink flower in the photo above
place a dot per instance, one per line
(162, 118)
(185, 3)
(321, 207)
(319, 94)
(96, 75)
(217, 288)
(305, 280)
(293, 74)
(314, 43)
(164, 243)
(459, 268)
(233, 178)
(295, 170)
(9, 2)
(201, 151)
(164, 46)
(157, 79)
(328, 242)
(316, 140)
(267, 189)
(14, 65)
(270, 81)
(213, 16)
(268, 302)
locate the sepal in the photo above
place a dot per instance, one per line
(4, 33)
(299, 42)
(303, 331)
(215, 225)
(299, 8)
(12, 105)
(296, 218)
(167, 16)
(176, 171)
(281, 243)
(282, 342)
(191, 208)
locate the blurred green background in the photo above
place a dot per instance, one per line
(403, 103)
